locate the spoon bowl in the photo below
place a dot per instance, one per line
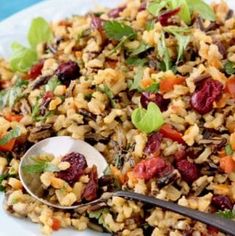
(57, 146)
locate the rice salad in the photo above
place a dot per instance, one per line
(150, 85)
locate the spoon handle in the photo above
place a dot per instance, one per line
(227, 226)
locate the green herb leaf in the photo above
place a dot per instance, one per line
(142, 48)
(204, 10)
(136, 61)
(156, 6)
(14, 133)
(116, 30)
(137, 78)
(184, 13)
(36, 109)
(153, 88)
(227, 214)
(4, 177)
(10, 96)
(228, 150)
(176, 29)
(109, 94)
(163, 52)
(23, 58)
(39, 166)
(183, 40)
(229, 68)
(150, 25)
(147, 120)
(52, 84)
(39, 32)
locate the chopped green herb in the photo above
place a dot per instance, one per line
(105, 89)
(39, 32)
(36, 110)
(184, 13)
(147, 120)
(203, 9)
(163, 53)
(119, 46)
(136, 61)
(150, 25)
(99, 215)
(142, 48)
(153, 88)
(39, 166)
(183, 40)
(23, 58)
(4, 177)
(228, 150)
(156, 6)
(116, 30)
(227, 214)
(52, 84)
(13, 94)
(176, 29)
(137, 78)
(229, 68)
(14, 133)
(2, 188)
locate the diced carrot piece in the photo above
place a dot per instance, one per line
(227, 164)
(117, 173)
(232, 141)
(167, 84)
(56, 224)
(13, 117)
(8, 146)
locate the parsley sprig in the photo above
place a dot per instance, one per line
(116, 30)
(39, 166)
(187, 8)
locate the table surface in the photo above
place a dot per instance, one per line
(9, 7)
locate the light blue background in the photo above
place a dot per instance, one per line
(9, 7)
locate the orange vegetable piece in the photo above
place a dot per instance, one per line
(8, 146)
(230, 86)
(117, 173)
(56, 224)
(13, 117)
(167, 84)
(169, 132)
(227, 164)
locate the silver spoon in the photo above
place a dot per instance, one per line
(62, 145)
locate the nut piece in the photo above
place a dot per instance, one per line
(64, 165)
(46, 178)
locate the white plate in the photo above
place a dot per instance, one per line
(14, 29)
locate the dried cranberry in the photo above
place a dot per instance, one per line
(209, 91)
(180, 154)
(90, 192)
(150, 168)
(222, 202)
(114, 13)
(77, 166)
(47, 97)
(142, 6)
(153, 143)
(157, 98)
(188, 170)
(36, 70)
(165, 18)
(68, 71)
(96, 23)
